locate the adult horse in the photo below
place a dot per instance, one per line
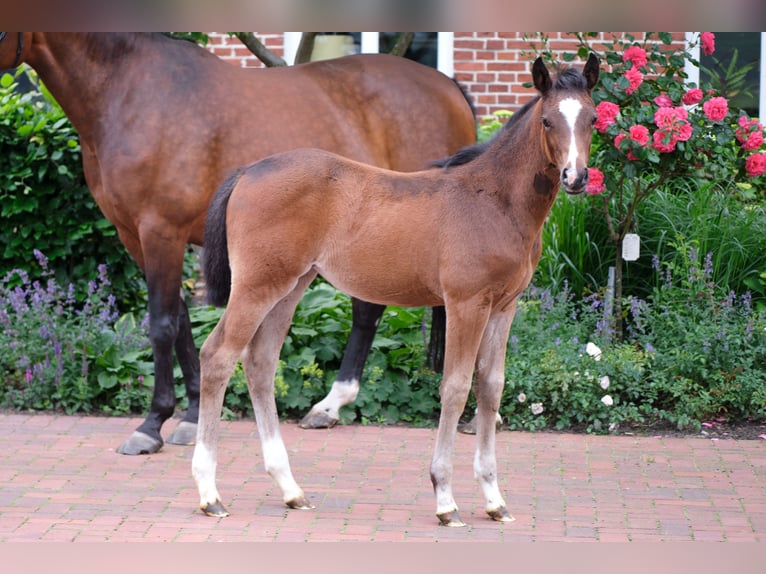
(467, 237)
(162, 120)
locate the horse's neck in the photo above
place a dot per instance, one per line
(79, 82)
(523, 171)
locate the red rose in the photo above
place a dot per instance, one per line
(753, 141)
(708, 43)
(716, 109)
(756, 164)
(635, 78)
(636, 55)
(663, 101)
(606, 114)
(693, 96)
(664, 141)
(595, 181)
(639, 134)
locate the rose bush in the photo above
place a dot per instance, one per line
(654, 125)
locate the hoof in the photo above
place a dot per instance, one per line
(318, 419)
(500, 515)
(300, 503)
(140, 443)
(470, 427)
(185, 434)
(450, 519)
(215, 509)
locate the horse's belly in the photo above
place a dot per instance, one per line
(382, 285)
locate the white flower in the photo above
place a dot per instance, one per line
(607, 400)
(522, 397)
(593, 351)
(604, 382)
(536, 408)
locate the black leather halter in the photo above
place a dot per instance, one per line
(19, 47)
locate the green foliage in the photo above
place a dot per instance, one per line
(46, 204)
(396, 386)
(58, 354)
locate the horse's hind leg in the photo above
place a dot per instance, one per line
(325, 413)
(488, 388)
(218, 357)
(260, 362)
(186, 351)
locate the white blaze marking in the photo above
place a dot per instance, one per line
(570, 109)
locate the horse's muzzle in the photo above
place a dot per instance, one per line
(574, 182)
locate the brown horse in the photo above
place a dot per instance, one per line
(467, 237)
(160, 123)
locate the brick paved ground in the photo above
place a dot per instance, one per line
(60, 480)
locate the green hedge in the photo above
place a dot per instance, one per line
(45, 203)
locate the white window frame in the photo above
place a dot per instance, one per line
(445, 58)
(694, 73)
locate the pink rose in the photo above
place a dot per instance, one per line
(693, 96)
(635, 78)
(595, 181)
(639, 134)
(668, 117)
(636, 55)
(708, 43)
(606, 114)
(753, 141)
(663, 101)
(716, 109)
(755, 164)
(664, 141)
(749, 133)
(683, 131)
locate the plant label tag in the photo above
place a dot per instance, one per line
(631, 247)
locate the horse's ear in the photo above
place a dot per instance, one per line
(540, 76)
(591, 70)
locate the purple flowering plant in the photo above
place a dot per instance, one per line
(60, 353)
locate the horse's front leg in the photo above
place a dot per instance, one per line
(365, 320)
(163, 278)
(488, 388)
(465, 324)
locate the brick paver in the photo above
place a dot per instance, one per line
(61, 480)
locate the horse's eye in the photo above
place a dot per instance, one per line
(546, 122)
(593, 121)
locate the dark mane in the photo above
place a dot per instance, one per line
(469, 153)
(568, 79)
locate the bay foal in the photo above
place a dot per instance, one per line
(467, 237)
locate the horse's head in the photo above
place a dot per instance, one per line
(567, 117)
(11, 48)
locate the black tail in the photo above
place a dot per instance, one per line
(215, 262)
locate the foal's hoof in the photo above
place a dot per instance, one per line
(500, 514)
(215, 509)
(185, 434)
(140, 443)
(318, 419)
(450, 519)
(470, 426)
(300, 503)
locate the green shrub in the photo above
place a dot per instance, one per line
(60, 354)
(46, 204)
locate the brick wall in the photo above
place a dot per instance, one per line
(492, 65)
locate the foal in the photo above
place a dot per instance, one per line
(467, 237)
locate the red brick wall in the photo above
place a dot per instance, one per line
(492, 65)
